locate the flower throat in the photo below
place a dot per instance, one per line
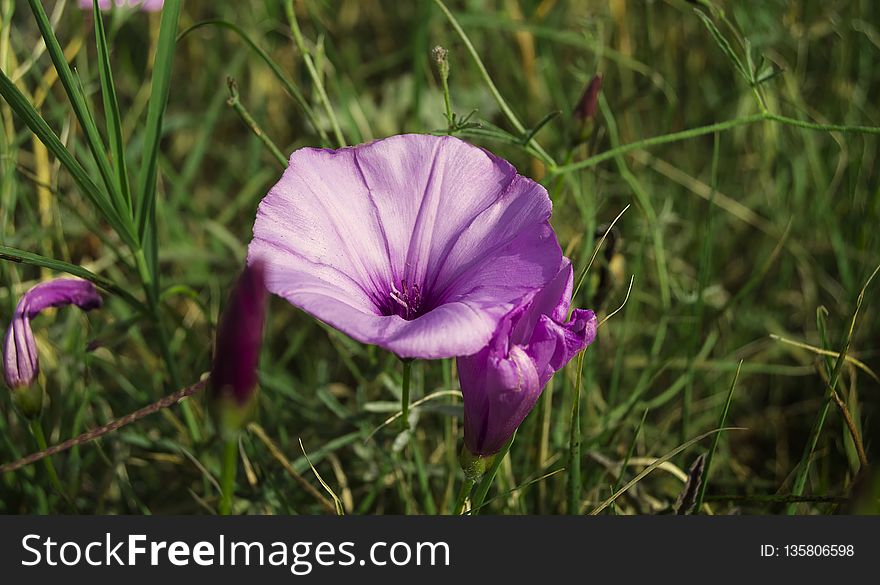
(405, 301)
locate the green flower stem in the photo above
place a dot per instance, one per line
(489, 477)
(154, 309)
(404, 393)
(502, 103)
(313, 72)
(574, 445)
(235, 103)
(227, 477)
(37, 430)
(710, 129)
(466, 487)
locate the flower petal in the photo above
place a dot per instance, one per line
(502, 392)
(553, 344)
(344, 231)
(20, 358)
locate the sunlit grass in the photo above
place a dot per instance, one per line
(745, 143)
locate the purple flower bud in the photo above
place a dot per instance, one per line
(20, 361)
(502, 382)
(239, 339)
(589, 102)
(145, 5)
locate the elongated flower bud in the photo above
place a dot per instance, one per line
(585, 112)
(20, 359)
(233, 382)
(502, 382)
(589, 102)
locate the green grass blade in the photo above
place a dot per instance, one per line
(484, 73)
(645, 472)
(479, 496)
(111, 110)
(77, 101)
(26, 112)
(145, 215)
(313, 72)
(24, 257)
(704, 480)
(800, 480)
(289, 86)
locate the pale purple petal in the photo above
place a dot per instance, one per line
(502, 382)
(20, 360)
(508, 390)
(417, 243)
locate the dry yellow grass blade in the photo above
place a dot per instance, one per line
(826, 352)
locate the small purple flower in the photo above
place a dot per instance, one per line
(419, 244)
(145, 5)
(502, 382)
(20, 360)
(239, 339)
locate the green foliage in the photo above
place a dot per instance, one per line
(744, 140)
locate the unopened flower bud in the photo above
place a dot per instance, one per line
(585, 112)
(233, 382)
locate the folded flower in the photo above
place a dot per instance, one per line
(233, 380)
(502, 382)
(20, 361)
(146, 5)
(419, 244)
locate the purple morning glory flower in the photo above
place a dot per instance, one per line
(419, 244)
(146, 5)
(20, 361)
(502, 382)
(239, 339)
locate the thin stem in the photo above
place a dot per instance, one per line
(235, 103)
(404, 394)
(164, 343)
(428, 504)
(227, 474)
(821, 127)
(574, 444)
(466, 487)
(313, 72)
(99, 432)
(711, 128)
(447, 98)
(37, 430)
(489, 477)
(484, 73)
(800, 480)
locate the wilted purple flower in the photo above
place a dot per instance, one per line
(502, 382)
(239, 339)
(419, 244)
(20, 360)
(147, 5)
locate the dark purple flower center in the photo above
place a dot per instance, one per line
(404, 300)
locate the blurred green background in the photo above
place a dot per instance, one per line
(761, 229)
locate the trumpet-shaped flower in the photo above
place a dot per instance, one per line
(502, 382)
(419, 244)
(20, 360)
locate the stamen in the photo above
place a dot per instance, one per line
(408, 297)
